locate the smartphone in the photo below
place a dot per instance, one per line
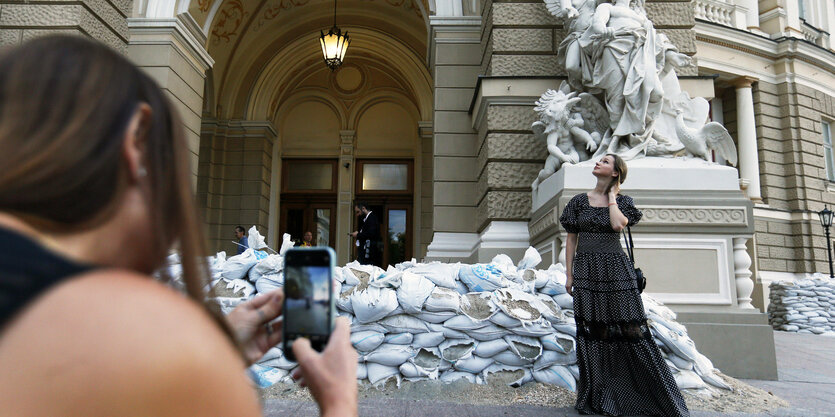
(309, 304)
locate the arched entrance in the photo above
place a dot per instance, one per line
(288, 145)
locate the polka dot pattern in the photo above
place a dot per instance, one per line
(621, 369)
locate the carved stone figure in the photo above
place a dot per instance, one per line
(613, 55)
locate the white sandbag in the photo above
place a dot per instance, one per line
(716, 380)
(464, 323)
(504, 320)
(286, 244)
(565, 301)
(269, 283)
(390, 355)
(436, 316)
(265, 376)
(441, 274)
(460, 288)
(367, 341)
(272, 353)
(549, 309)
(396, 311)
(378, 374)
(569, 329)
(575, 371)
(509, 358)
(556, 375)
(404, 323)
(357, 327)
(473, 364)
(488, 332)
(453, 350)
(688, 380)
(413, 372)
(372, 304)
(236, 267)
(517, 304)
(558, 342)
(272, 264)
(442, 299)
(453, 375)
(478, 305)
(241, 286)
(489, 348)
(530, 260)
(481, 277)
(413, 292)
(503, 262)
(525, 347)
(399, 338)
(538, 328)
(551, 357)
(362, 371)
(337, 274)
(542, 278)
(424, 364)
(427, 340)
(680, 363)
(283, 363)
(254, 240)
(515, 376)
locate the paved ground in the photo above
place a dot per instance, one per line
(806, 372)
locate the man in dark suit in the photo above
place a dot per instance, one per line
(368, 236)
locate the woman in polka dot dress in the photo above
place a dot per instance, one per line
(621, 369)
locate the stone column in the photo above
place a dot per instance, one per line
(171, 51)
(424, 235)
(345, 197)
(742, 273)
(752, 14)
(749, 164)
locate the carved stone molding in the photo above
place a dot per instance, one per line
(694, 215)
(540, 225)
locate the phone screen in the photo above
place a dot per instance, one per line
(307, 297)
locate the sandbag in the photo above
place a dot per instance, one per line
(413, 372)
(552, 357)
(558, 342)
(481, 277)
(453, 375)
(236, 267)
(390, 355)
(441, 274)
(517, 304)
(413, 292)
(488, 332)
(286, 244)
(427, 340)
(530, 260)
(378, 374)
(556, 375)
(564, 301)
(357, 327)
(478, 305)
(502, 319)
(442, 299)
(269, 283)
(473, 364)
(272, 264)
(264, 376)
(489, 348)
(536, 329)
(453, 350)
(464, 323)
(343, 299)
(399, 338)
(404, 323)
(373, 304)
(509, 358)
(436, 316)
(525, 347)
(272, 353)
(367, 341)
(515, 376)
(688, 380)
(362, 371)
(254, 240)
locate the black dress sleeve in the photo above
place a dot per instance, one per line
(568, 219)
(627, 207)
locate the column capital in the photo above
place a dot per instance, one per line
(425, 129)
(744, 81)
(347, 136)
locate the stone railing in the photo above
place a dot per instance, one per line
(716, 11)
(814, 35)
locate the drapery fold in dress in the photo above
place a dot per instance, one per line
(621, 369)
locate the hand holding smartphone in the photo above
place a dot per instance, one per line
(309, 308)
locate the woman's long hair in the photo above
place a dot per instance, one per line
(65, 104)
(620, 167)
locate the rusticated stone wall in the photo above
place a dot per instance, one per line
(105, 20)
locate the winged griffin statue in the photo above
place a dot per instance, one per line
(622, 94)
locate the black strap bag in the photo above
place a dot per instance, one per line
(639, 275)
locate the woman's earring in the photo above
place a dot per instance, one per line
(141, 172)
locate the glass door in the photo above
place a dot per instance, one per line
(300, 218)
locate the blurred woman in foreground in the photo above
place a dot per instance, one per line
(95, 189)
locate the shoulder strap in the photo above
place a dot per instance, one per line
(627, 237)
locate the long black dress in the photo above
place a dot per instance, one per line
(621, 369)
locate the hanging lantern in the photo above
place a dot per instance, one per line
(334, 44)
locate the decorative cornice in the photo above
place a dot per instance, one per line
(694, 216)
(544, 223)
(181, 33)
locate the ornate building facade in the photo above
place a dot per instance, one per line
(429, 119)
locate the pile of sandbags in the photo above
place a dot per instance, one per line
(803, 306)
(428, 321)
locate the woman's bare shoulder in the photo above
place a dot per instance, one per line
(126, 343)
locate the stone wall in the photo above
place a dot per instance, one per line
(233, 185)
(105, 20)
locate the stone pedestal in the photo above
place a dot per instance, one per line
(690, 244)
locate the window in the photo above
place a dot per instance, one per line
(827, 150)
(309, 176)
(803, 8)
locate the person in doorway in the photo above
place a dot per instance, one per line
(95, 190)
(622, 371)
(240, 239)
(368, 235)
(307, 241)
